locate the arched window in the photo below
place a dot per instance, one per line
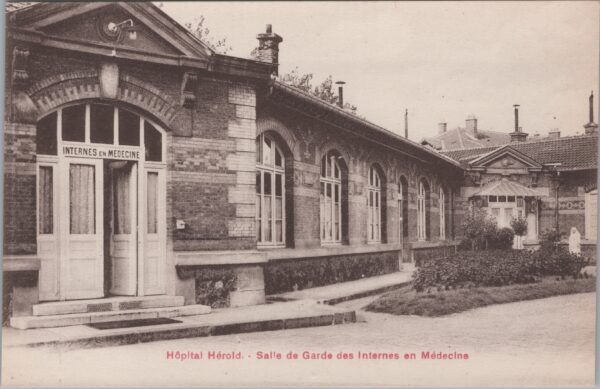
(374, 206)
(442, 201)
(270, 192)
(423, 198)
(403, 207)
(331, 199)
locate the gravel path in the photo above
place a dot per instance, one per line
(532, 343)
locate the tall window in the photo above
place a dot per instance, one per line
(331, 199)
(374, 206)
(403, 207)
(270, 192)
(442, 201)
(423, 210)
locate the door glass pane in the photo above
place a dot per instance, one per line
(121, 201)
(152, 202)
(129, 128)
(45, 198)
(82, 194)
(46, 135)
(152, 142)
(73, 123)
(102, 123)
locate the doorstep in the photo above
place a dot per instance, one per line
(344, 291)
(266, 317)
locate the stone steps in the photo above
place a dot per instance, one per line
(73, 319)
(110, 304)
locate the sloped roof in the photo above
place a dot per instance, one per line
(364, 123)
(505, 187)
(15, 6)
(573, 153)
(460, 138)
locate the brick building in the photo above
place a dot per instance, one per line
(138, 162)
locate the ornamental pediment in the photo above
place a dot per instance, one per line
(139, 28)
(506, 158)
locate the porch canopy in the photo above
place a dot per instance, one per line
(505, 187)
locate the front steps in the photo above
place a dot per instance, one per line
(79, 312)
(106, 304)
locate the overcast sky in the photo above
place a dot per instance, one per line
(442, 61)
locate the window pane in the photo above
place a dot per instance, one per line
(493, 199)
(45, 200)
(278, 158)
(46, 135)
(102, 123)
(73, 123)
(278, 208)
(324, 166)
(267, 183)
(129, 128)
(278, 185)
(121, 201)
(502, 199)
(152, 202)
(82, 194)
(279, 231)
(152, 142)
(267, 159)
(511, 199)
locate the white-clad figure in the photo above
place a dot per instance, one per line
(575, 241)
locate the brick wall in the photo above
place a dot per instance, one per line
(308, 140)
(19, 189)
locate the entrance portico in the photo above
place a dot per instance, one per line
(101, 203)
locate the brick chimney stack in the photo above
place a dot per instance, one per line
(518, 135)
(471, 125)
(442, 127)
(268, 47)
(591, 127)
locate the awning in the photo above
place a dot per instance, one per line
(505, 187)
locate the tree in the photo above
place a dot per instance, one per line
(202, 32)
(325, 90)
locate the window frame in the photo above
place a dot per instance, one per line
(335, 183)
(274, 170)
(422, 211)
(442, 210)
(374, 208)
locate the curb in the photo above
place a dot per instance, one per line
(199, 331)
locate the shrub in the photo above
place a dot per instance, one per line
(495, 268)
(502, 239)
(479, 228)
(519, 226)
(298, 274)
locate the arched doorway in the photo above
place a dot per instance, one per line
(101, 203)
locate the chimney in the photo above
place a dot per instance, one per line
(554, 134)
(591, 127)
(471, 124)
(442, 127)
(406, 123)
(518, 135)
(340, 85)
(268, 47)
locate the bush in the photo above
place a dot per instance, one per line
(495, 268)
(502, 239)
(519, 226)
(288, 275)
(479, 228)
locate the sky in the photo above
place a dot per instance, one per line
(443, 61)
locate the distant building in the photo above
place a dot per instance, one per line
(465, 137)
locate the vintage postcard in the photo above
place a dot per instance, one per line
(300, 193)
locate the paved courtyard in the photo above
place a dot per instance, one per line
(534, 343)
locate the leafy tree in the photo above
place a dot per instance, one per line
(325, 90)
(479, 228)
(202, 32)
